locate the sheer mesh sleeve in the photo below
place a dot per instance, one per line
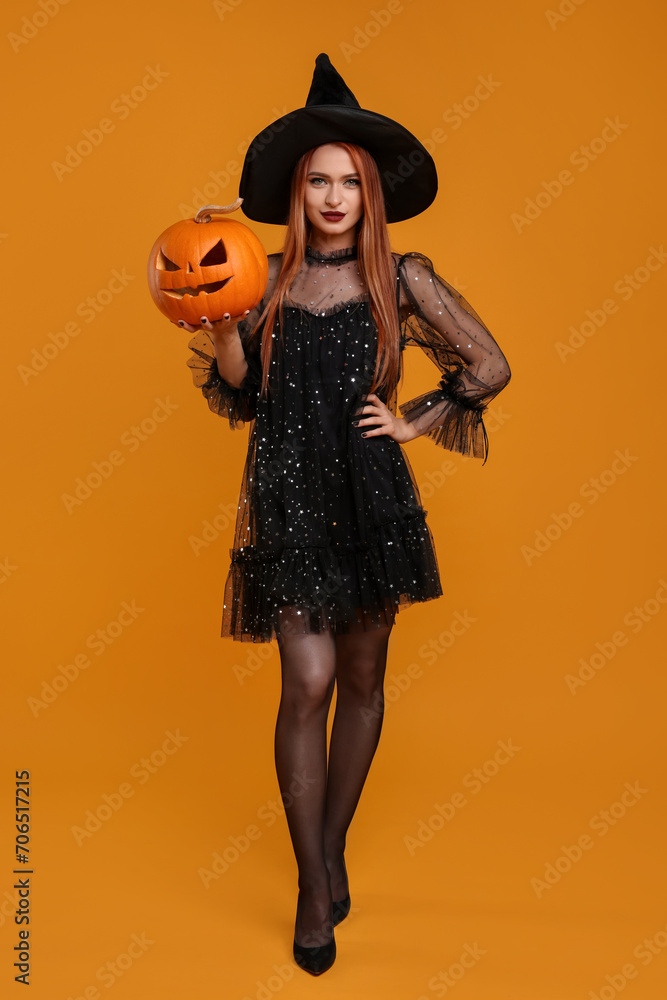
(237, 404)
(474, 369)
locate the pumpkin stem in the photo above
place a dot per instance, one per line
(204, 213)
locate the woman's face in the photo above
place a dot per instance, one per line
(333, 202)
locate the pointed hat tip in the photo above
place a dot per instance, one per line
(328, 86)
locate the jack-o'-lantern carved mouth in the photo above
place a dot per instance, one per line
(216, 256)
(211, 286)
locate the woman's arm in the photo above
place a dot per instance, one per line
(235, 402)
(222, 366)
(229, 353)
(440, 321)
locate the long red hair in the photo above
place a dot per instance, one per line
(374, 261)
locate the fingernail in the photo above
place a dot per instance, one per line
(355, 423)
(181, 323)
(202, 319)
(364, 434)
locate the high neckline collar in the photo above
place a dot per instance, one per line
(345, 253)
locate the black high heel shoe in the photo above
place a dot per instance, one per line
(314, 960)
(341, 907)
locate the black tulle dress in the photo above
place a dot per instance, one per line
(330, 528)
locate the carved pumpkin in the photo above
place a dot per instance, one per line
(203, 267)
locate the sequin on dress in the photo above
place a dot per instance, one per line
(330, 529)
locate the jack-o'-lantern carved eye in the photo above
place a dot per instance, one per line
(164, 264)
(216, 255)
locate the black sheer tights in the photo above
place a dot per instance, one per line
(320, 798)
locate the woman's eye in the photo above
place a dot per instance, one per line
(350, 180)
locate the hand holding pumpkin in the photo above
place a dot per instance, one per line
(217, 328)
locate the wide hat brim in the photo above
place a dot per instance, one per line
(407, 170)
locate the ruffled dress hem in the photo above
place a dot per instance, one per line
(312, 588)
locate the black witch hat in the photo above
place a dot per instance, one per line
(332, 114)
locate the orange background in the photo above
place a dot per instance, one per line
(477, 882)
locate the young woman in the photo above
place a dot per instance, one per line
(331, 537)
